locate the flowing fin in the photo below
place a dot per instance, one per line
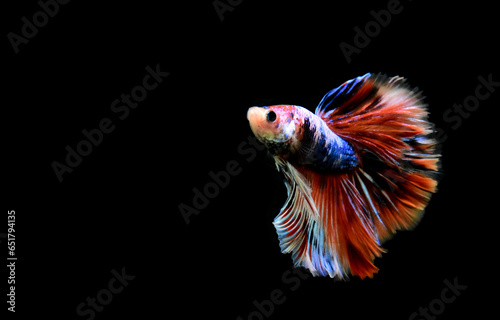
(382, 115)
(324, 224)
(298, 227)
(386, 122)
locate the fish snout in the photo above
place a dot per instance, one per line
(257, 118)
(255, 113)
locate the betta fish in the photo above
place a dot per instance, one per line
(363, 166)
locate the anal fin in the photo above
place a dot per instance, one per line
(325, 225)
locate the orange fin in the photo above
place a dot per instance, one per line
(324, 224)
(379, 114)
(386, 123)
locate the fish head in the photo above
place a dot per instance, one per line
(274, 126)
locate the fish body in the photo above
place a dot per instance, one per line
(304, 138)
(359, 168)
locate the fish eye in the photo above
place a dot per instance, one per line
(271, 116)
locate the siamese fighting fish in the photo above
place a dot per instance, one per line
(359, 168)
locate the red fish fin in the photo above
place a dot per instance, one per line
(386, 123)
(347, 225)
(396, 198)
(379, 114)
(324, 224)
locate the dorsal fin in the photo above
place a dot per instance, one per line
(381, 115)
(345, 95)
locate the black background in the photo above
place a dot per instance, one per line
(119, 207)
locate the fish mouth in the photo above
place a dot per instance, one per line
(254, 113)
(257, 117)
